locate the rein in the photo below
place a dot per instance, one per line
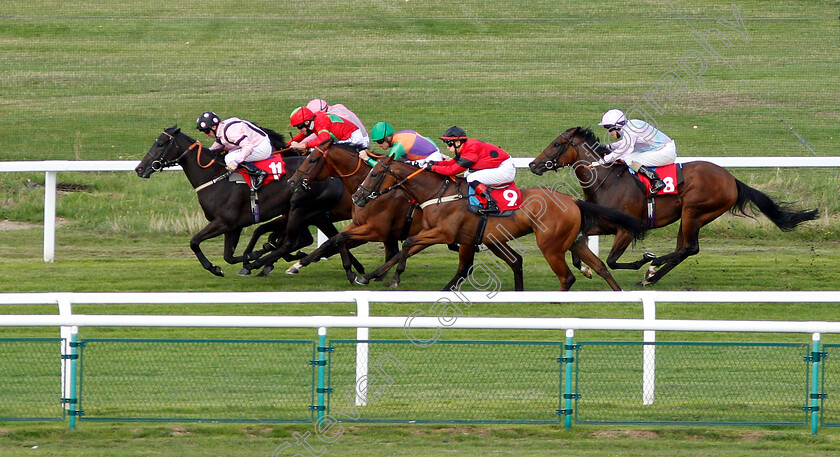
(358, 164)
(159, 163)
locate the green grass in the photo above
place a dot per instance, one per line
(100, 81)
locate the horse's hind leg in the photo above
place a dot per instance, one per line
(587, 271)
(581, 249)
(466, 256)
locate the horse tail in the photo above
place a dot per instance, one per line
(780, 213)
(278, 141)
(608, 220)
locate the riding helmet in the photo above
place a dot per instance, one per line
(454, 133)
(300, 115)
(380, 130)
(206, 121)
(317, 105)
(613, 117)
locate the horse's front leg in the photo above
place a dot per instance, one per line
(620, 243)
(248, 255)
(212, 230)
(414, 244)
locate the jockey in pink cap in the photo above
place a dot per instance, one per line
(318, 105)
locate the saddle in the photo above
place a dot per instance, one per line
(274, 166)
(671, 174)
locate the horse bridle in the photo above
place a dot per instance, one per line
(551, 163)
(373, 195)
(158, 163)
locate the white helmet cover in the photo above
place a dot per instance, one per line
(613, 117)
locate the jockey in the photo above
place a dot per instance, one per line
(417, 149)
(320, 106)
(488, 164)
(640, 145)
(244, 142)
(324, 126)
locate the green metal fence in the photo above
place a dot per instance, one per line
(447, 382)
(30, 379)
(709, 383)
(196, 380)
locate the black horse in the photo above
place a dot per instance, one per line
(227, 205)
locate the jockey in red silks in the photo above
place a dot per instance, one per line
(488, 164)
(244, 141)
(324, 126)
(320, 106)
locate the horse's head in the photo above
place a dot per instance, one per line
(371, 187)
(572, 146)
(308, 170)
(165, 152)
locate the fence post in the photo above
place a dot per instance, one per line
(69, 357)
(815, 383)
(320, 407)
(568, 395)
(362, 334)
(648, 352)
(49, 216)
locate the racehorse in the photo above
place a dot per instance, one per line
(557, 219)
(227, 205)
(707, 191)
(389, 219)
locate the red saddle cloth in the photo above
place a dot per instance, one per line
(274, 166)
(507, 197)
(668, 174)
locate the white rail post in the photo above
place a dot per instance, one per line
(649, 352)
(49, 216)
(65, 308)
(362, 334)
(593, 244)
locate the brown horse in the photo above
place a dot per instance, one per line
(557, 219)
(389, 219)
(707, 191)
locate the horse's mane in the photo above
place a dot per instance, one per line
(592, 140)
(278, 141)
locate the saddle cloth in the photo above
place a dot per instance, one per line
(507, 196)
(274, 166)
(668, 174)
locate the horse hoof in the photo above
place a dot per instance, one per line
(362, 280)
(587, 272)
(650, 272)
(266, 271)
(244, 272)
(294, 269)
(216, 270)
(648, 256)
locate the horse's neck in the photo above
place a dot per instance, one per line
(195, 173)
(427, 186)
(342, 168)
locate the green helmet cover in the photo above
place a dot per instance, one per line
(380, 130)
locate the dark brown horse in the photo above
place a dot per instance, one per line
(389, 219)
(557, 219)
(227, 206)
(707, 192)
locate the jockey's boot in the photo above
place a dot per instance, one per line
(257, 175)
(490, 207)
(656, 184)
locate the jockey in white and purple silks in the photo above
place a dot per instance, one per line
(639, 144)
(243, 141)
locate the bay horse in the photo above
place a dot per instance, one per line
(558, 220)
(707, 191)
(227, 205)
(389, 219)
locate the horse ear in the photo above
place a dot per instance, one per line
(176, 130)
